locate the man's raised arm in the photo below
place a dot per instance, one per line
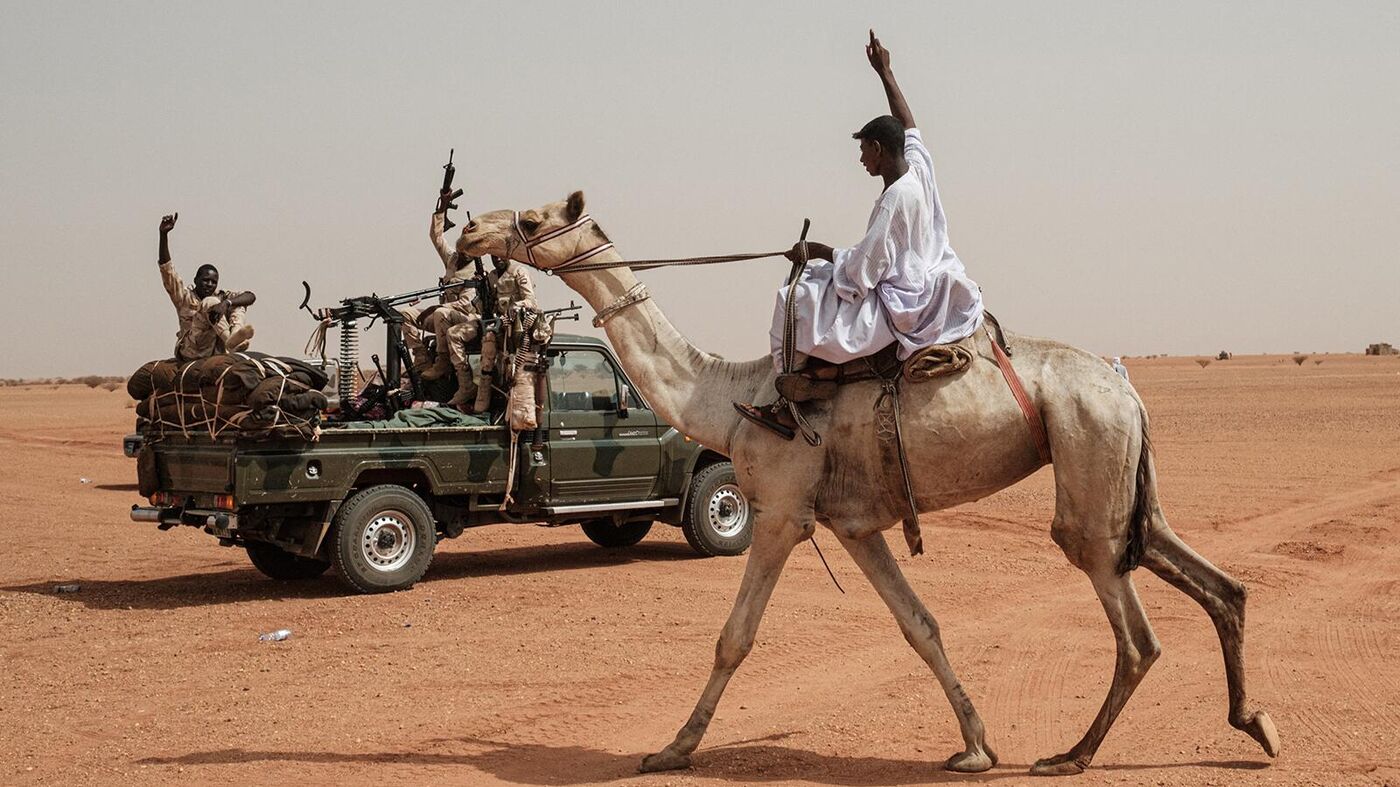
(167, 223)
(880, 61)
(174, 286)
(444, 250)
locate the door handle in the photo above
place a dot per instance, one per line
(568, 433)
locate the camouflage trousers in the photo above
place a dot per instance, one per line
(227, 334)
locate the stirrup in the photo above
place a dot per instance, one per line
(767, 417)
(798, 387)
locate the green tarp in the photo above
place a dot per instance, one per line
(419, 418)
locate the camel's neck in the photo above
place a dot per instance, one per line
(690, 389)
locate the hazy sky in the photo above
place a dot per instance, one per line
(1132, 178)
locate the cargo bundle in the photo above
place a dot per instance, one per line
(247, 394)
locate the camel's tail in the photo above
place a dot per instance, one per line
(1144, 499)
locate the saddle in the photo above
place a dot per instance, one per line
(820, 379)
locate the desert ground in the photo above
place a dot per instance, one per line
(530, 656)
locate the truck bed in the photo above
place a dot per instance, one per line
(454, 460)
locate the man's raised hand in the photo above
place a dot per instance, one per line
(167, 223)
(879, 56)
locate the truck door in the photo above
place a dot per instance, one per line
(596, 454)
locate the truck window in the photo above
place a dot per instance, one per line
(582, 380)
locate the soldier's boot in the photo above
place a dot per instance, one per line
(421, 365)
(466, 390)
(439, 367)
(483, 394)
(239, 338)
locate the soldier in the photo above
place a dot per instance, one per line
(454, 323)
(512, 287)
(212, 321)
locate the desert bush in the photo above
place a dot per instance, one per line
(1318, 361)
(1204, 362)
(111, 386)
(91, 381)
(1299, 359)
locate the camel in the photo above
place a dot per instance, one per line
(966, 438)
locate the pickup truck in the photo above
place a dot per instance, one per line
(374, 502)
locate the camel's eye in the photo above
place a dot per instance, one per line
(529, 225)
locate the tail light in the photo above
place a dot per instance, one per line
(223, 501)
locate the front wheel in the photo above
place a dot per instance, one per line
(383, 539)
(278, 563)
(606, 533)
(718, 518)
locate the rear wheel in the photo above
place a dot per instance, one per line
(718, 518)
(383, 539)
(278, 563)
(606, 533)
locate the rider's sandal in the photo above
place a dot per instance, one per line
(773, 417)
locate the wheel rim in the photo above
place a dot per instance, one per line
(728, 511)
(387, 542)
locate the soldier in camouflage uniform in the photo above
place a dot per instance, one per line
(512, 287)
(212, 321)
(455, 322)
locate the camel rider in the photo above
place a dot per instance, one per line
(901, 283)
(512, 288)
(212, 321)
(459, 308)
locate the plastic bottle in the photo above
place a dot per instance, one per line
(275, 636)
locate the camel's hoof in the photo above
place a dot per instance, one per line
(663, 760)
(974, 761)
(1061, 765)
(1261, 728)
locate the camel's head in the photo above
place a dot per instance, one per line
(545, 237)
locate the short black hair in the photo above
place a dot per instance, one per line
(885, 130)
(205, 267)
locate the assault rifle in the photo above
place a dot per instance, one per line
(348, 314)
(447, 194)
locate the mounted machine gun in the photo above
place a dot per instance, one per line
(374, 307)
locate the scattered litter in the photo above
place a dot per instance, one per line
(407, 625)
(275, 636)
(84, 480)
(71, 587)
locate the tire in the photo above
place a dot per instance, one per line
(718, 518)
(278, 563)
(383, 539)
(605, 533)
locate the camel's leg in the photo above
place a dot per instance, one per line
(1137, 649)
(1223, 599)
(773, 541)
(873, 556)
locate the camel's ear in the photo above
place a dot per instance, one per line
(574, 208)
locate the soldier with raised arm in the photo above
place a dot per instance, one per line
(455, 323)
(212, 321)
(901, 283)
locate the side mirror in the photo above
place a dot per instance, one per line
(623, 395)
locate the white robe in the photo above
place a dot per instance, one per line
(902, 282)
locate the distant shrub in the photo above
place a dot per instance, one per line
(1299, 359)
(111, 386)
(91, 381)
(1204, 362)
(1318, 361)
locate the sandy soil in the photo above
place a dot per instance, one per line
(529, 656)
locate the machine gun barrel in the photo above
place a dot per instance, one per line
(572, 307)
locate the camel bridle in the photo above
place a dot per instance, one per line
(559, 232)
